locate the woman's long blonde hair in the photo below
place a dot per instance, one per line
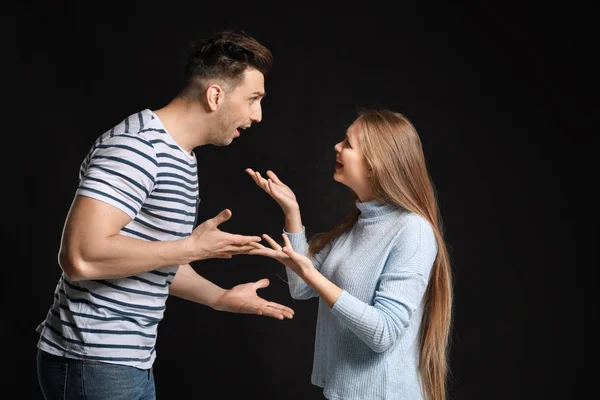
(394, 153)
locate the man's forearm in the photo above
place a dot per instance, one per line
(190, 286)
(120, 256)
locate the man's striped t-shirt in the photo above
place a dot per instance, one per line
(139, 168)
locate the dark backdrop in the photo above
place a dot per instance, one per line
(488, 88)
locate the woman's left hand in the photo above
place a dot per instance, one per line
(286, 255)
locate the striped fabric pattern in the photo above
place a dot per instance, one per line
(137, 167)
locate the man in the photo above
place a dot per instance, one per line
(129, 236)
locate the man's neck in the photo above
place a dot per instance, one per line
(186, 123)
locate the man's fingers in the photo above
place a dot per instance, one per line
(242, 249)
(240, 240)
(263, 283)
(233, 250)
(276, 311)
(280, 307)
(222, 217)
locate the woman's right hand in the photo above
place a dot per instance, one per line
(280, 192)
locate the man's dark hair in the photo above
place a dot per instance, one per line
(225, 55)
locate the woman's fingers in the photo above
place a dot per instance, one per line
(252, 175)
(257, 245)
(286, 241)
(289, 250)
(272, 175)
(262, 182)
(272, 242)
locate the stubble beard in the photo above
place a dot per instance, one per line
(221, 136)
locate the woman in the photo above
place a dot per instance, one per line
(382, 275)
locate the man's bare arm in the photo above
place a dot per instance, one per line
(189, 285)
(241, 298)
(92, 248)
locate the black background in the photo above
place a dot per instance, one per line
(488, 86)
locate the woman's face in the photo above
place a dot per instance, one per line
(351, 168)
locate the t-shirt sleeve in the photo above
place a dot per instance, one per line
(120, 171)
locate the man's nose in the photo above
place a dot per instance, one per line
(257, 115)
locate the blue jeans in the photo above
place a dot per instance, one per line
(66, 378)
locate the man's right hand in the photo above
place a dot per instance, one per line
(207, 241)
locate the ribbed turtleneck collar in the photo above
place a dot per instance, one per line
(373, 209)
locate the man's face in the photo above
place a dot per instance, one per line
(241, 107)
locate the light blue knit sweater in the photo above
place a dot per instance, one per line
(367, 344)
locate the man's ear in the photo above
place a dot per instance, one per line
(214, 96)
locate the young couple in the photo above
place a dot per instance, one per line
(382, 275)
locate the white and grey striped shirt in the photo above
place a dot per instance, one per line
(138, 168)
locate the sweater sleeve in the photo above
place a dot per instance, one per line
(399, 293)
(299, 290)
